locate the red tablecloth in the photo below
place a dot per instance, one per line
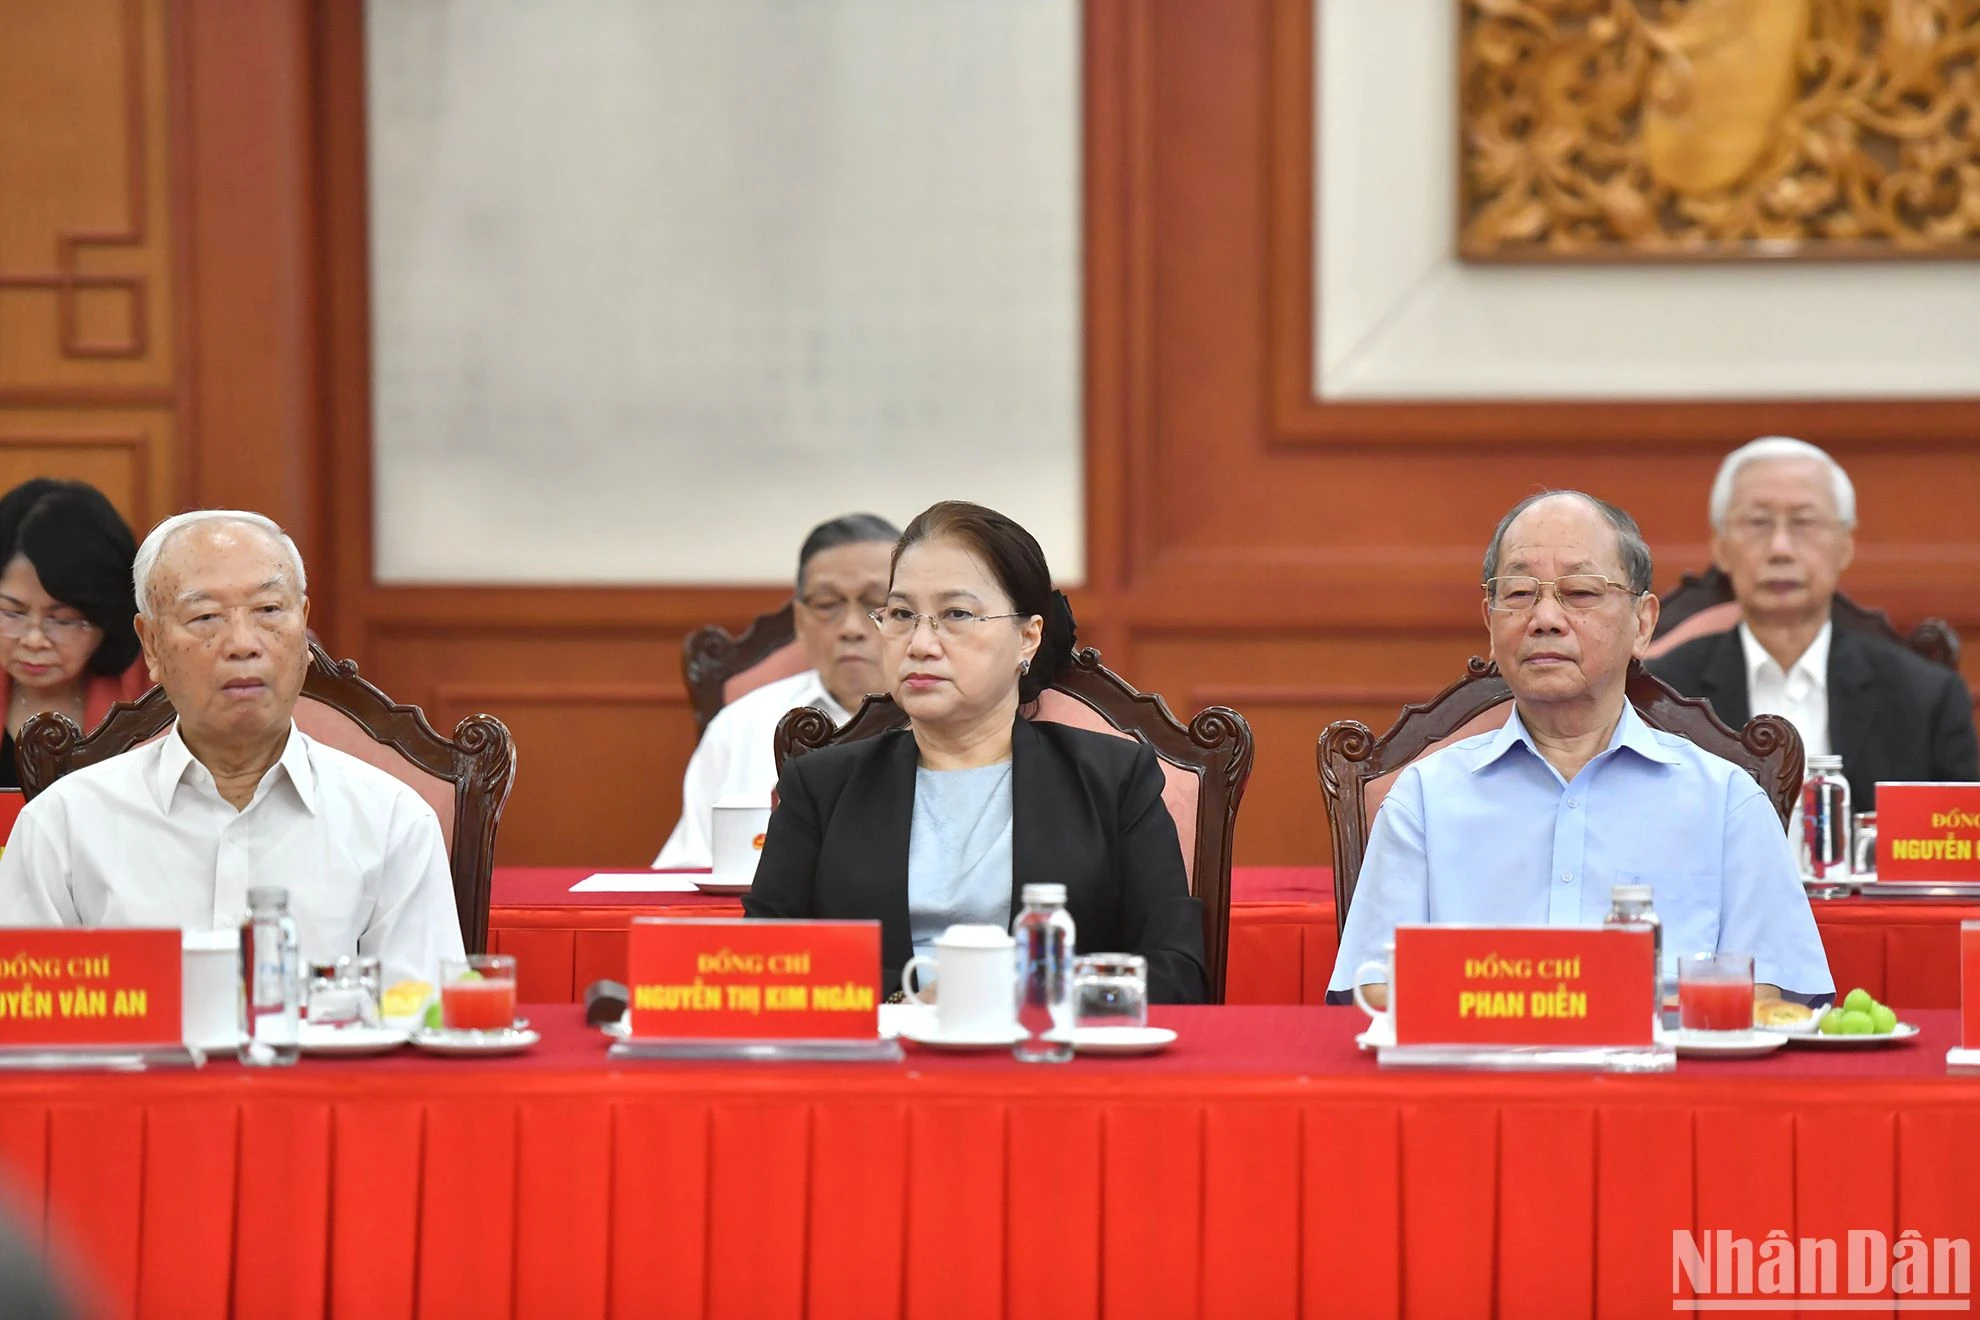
(1260, 1168)
(1282, 936)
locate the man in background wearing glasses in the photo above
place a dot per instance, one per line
(841, 579)
(1531, 824)
(1783, 524)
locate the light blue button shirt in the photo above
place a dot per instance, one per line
(1486, 832)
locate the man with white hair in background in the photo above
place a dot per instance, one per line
(1783, 530)
(173, 833)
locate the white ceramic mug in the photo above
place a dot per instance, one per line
(1382, 1020)
(975, 973)
(735, 837)
(210, 988)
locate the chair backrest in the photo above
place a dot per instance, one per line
(1702, 603)
(718, 667)
(1357, 768)
(1205, 764)
(465, 779)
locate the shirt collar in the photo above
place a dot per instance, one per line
(1631, 732)
(823, 699)
(175, 760)
(1812, 666)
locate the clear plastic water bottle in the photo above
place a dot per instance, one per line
(1825, 821)
(271, 991)
(1630, 905)
(1044, 931)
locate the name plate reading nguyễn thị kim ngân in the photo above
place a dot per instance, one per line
(754, 980)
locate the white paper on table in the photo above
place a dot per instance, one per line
(634, 882)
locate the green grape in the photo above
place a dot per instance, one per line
(1830, 1023)
(1855, 1023)
(1858, 1001)
(1883, 1020)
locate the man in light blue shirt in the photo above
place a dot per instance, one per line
(1532, 824)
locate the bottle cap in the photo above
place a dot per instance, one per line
(1825, 763)
(1045, 894)
(1629, 893)
(263, 896)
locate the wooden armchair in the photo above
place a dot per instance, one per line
(1702, 604)
(465, 779)
(718, 667)
(1205, 763)
(1357, 768)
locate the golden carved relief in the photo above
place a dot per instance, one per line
(1623, 129)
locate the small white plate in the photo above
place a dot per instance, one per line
(926, 1033)
(510, 1040)
(1122, 1040)
(352, 1042)
(1902, 1032)
(710, 885)
(1721, 1044)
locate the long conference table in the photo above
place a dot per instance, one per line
(1262, 1166)
(1282, 938)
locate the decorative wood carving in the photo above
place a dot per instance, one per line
(1719, 128)
(1933, 638)
(711, 656)
(1216, 744)
(479, 760)
(1349, 755)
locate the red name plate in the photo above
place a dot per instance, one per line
(1928, 831)
(90, 987)
(1969, 980)
(1528, 985)
(774, 980)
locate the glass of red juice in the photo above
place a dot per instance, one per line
(478, 992)
(1715, 992)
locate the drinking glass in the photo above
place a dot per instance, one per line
(478, 992)
(1111, 990)
(1715, 991)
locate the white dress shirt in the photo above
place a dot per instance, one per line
(145, 839)
(738, 754)
(1801, 694)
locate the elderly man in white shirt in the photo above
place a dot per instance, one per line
(842, 575)
(174, 833)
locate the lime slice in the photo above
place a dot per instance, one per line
(469, 975)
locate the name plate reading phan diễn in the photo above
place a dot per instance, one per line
(90, 989)
(728, 988)
(1561, 986)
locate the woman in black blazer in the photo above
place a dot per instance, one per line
(971, 631)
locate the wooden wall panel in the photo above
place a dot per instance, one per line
(1247, 542)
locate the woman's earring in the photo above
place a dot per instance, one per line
(1024, 666)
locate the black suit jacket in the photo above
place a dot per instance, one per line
(1086, 811)
(1893, 715)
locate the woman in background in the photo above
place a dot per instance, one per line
(945, 820)
(67, 641)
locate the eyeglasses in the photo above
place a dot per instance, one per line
(15, 624)
(1759, 528)
(830, 609)
(898, 621)
(1579, 592)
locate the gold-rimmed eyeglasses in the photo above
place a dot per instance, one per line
(1579, 592)
(15, 624)
(898, 621)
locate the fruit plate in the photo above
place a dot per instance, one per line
(1902, 1032)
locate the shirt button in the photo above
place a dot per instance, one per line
(1567, 877)
(1571, 804)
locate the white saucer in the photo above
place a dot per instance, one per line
(1721, 1044)
(352, 1042)
(1375, 1038)
(1122, 1040)
(1902, 1032)
(711, 885)
(509, 1040)
(926, 1033)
